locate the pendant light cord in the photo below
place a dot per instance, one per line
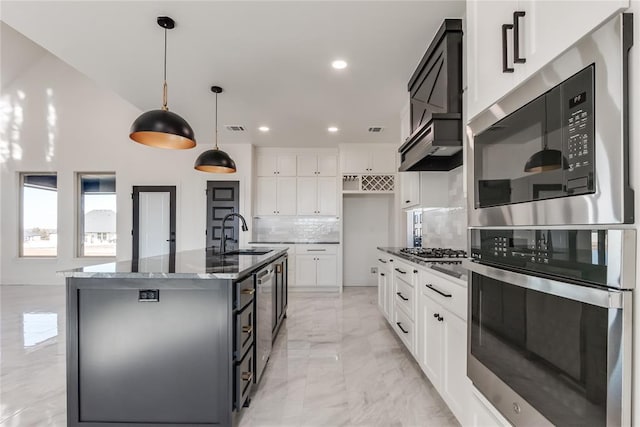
(216, 138)
(164, 84)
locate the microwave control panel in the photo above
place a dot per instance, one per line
(579, 125)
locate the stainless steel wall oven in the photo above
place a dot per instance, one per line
(549, 338)
(555, 151)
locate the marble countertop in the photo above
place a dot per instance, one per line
(299, 242)
(455, 271)
(194, 264)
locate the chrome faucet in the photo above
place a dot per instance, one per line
(223, 237)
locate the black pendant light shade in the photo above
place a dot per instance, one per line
(215, 160)
(162, 128)
(546, 160)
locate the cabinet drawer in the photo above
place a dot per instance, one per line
(244, 331)
(404, 327)
(244, 294)
(317, 249)
(242, 381)
(450, 295)
(405, 298)
(402, 271)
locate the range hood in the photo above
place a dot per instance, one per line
(435, 91)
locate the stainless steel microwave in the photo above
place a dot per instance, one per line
(555, 150)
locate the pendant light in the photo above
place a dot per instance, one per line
(546, 160)
(216, 160)
(162, 128)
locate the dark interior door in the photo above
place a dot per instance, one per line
(223, 197)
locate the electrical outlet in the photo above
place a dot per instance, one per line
(374, 270)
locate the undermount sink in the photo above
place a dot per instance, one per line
(248, 252)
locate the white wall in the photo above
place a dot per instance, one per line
(54, 118)
(367, 225)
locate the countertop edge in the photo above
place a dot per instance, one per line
(392, 251)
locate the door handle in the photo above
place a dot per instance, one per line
(434, 289)
(170, 240)
(382, 261)
(505, 63)
(516, 38)
(400, 271)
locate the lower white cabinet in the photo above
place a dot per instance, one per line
(316, 266)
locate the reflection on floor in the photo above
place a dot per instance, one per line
(335, 363)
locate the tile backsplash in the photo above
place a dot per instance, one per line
(447, 227)
(298, 229)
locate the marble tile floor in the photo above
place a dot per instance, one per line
(335, 363)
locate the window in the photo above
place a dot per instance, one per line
(97, 214)
(39, 215)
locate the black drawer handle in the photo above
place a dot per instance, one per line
(434, 289)
(516, 38)
(401, 328)
(505, 64)
(402, 296)
(440, 318)
(400, 271)
(382, 274)
(382, 261)
(436, 315)
(248, 291)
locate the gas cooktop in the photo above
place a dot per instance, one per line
(436, 254)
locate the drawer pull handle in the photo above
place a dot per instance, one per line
(248, 291)
(382, 274)
(382, 261)
(402, 296)
(247, 376)
(434, 289)
(247, 329)
(401, 328)
(316, 250)
(400, 271)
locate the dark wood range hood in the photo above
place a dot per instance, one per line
(435, 91)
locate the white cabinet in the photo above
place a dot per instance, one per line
(270, 164)
(409, 189)
(544, 31)
(482, 413)
(316, 266)
(276, 196)
(317, 196)
(368, 160)
(317, 165)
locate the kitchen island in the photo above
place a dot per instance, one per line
(149, 346)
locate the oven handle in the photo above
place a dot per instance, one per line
(586, 294)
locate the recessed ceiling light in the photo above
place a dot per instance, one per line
(339, 64)
(332, 129)
(263, 129)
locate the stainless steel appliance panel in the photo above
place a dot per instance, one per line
(264, 303)
(612, 201)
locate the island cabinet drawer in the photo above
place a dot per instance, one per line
(402, 271)
(450, 295)
(404, 327)
(242, 381)
(405, 297)
(244, 331)
(244, 293)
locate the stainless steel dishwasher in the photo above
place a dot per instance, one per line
(264, 312)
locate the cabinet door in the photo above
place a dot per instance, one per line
(286, 197)
(327, 196)
(305, 270)
(383, 290)
(307, 196)
(456, 387)
(431, 333)
(286, 165)
(307, 165)
(266, 165)
(355, 161)
(327, 165)
(383, 160)
(485, 79)
(545, 32)
(327, 270)
(266, 195)
(410, 189)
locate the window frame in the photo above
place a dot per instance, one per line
(21, 176)
(79, 207)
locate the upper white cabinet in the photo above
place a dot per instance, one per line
(317, 165)
(508, 41)
(276, 196)
(317, 196)
(409, 189)
(367, 160)
(276, 164)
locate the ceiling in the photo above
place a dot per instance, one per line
(271, 57)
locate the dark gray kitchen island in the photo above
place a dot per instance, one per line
(176, 348)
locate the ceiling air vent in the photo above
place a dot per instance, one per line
(376, 129)
(234, 128)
